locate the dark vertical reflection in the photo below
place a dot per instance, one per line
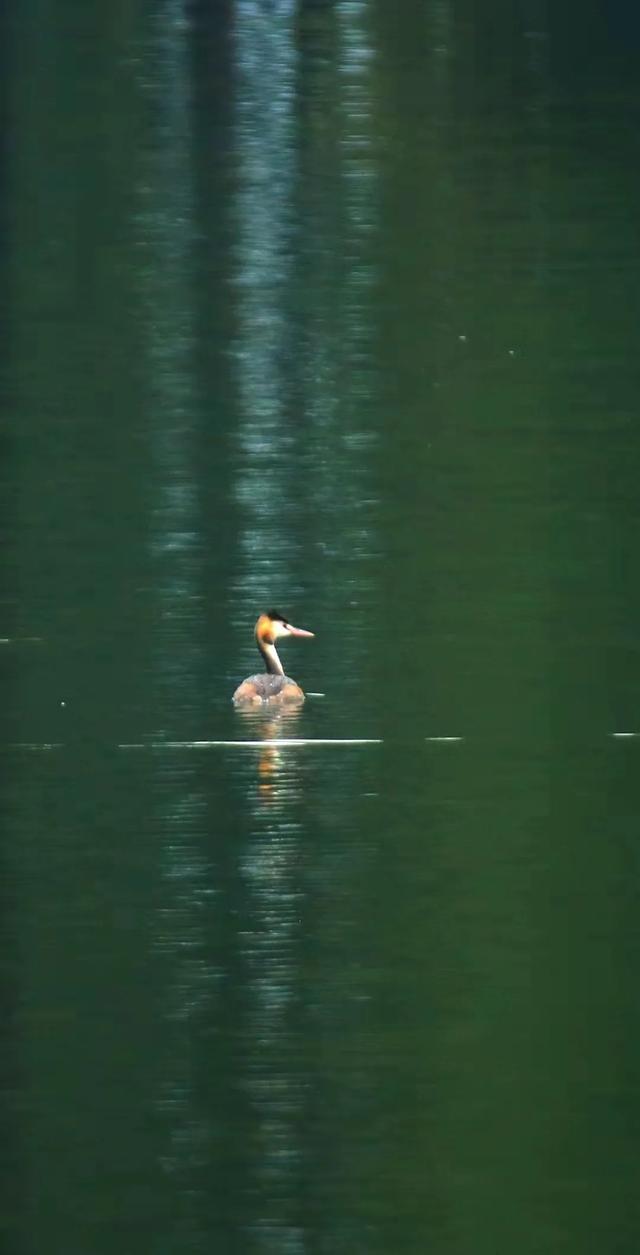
(165, 223)
(80, 517)
(12, 1162)
(190, 977)
(166, 241)
(101, 327)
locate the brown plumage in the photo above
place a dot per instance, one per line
(273, 685)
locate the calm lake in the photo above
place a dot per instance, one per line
(332, 307)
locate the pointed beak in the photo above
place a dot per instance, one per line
(298, 631)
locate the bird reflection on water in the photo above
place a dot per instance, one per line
(277, 773)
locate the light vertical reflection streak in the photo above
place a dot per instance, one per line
(338, 361)
(265, 64)
(165, 221)
(359, 178)
(340, 398)
(285, 454)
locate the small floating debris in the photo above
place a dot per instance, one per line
(623, 736)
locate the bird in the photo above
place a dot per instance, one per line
(273, 686)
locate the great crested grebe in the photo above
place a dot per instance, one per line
(274, 686)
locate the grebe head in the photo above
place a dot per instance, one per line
(273, 626)
(275, 686)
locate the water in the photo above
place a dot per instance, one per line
(327, 308)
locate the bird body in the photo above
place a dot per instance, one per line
(271, 686)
